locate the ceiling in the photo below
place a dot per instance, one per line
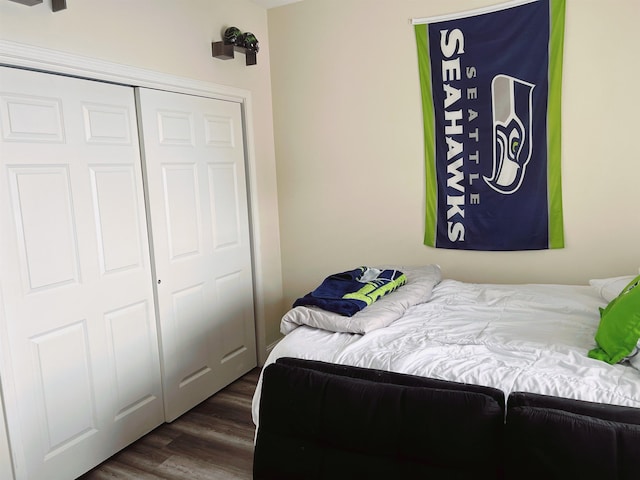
(274, 3)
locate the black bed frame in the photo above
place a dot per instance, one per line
(326, 421)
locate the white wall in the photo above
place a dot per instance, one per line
(349, 146)
(174, 37)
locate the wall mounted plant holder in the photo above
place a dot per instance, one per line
(234, 40)
(226, 52)
(28, 3)
(56, 5)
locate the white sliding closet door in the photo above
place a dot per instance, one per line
(79, 352)
(197, 199)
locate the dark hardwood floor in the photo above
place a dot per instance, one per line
(212, 441)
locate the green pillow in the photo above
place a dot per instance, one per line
(619, 328)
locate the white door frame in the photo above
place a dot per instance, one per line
(37, 58)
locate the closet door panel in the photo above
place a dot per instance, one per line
(81, 374)
(44, 220)
(184, 225)
(117, 226)
(134, 357)
(191, 354)
(66, 415)
(197, 200)
(225, 210)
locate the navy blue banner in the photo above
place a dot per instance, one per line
(491, 102)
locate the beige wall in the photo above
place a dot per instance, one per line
(347, 119)
(349, 148)
(174, 37)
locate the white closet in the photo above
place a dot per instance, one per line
(115, 314)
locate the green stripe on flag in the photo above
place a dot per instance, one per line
(554, 119)
(424, 67)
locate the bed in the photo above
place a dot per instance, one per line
(528, 343)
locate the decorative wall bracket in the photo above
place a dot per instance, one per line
(226, 52)
(234, 39)
(56, 5)
(28, 3)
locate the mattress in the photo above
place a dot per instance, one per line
(528, 338)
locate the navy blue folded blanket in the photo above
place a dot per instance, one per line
(349, 292)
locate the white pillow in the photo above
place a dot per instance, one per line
(610, 288)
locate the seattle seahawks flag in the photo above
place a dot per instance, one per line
(491, 89)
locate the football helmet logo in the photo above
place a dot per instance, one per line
(512, 123)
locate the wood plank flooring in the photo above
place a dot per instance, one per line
(212, 441)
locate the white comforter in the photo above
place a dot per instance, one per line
(531, 338)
